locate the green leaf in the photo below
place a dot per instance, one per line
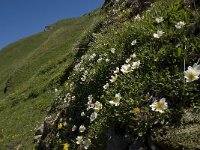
(179, 51)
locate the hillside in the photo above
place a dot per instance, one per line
(126, 78)
(137, 86)
(30, 71)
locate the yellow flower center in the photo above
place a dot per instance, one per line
(137, 110)
(117, 99)
(60, 126)
(89, 142)
(159, 106)
(191, 75)
(65, 146)
(128, 69)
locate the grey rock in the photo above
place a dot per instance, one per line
(37, 138)
(116, 142)
(39, 130)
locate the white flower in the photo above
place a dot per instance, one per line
(93, 116)
(133, 55)
(114, 78)
(133, 42)
(192, 73)
(159, 19)
(64, 123)
(74, 128)
(83, 78)
(56, 90)
(86, 143)
(180, 24)
(116, 70)
(79, 139)
(73, 98)
(126, 68)
(135, 65)
(158, 34)
(196, 67)
(100, 59)
(89, 103)
(97, 106)
(137, 17)
(93, 55)
(106, 86)
(116, 100)
(91, 106)
(112, 50)
(82, 128)
(90, 97)
(105, 55)
(86, 72)
(107, 60)
(160, 106)
(128, 60)
(77, 67)
(82, 114)
(81, 69)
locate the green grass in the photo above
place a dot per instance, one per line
(34, 67)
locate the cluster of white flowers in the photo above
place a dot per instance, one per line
(192, 73)
(96, 106)
(83, 142)
(90, 104)
(84, 76)
(103, 57)
(68, 97)
(92, 56)
(79, 66)
(130, 64)
(70, 85)
(160, 33)
(81, 128)
(126, 68)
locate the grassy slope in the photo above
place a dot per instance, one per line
(33, 65)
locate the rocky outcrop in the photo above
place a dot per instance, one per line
(185, 135)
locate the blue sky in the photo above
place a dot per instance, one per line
(22, 18)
